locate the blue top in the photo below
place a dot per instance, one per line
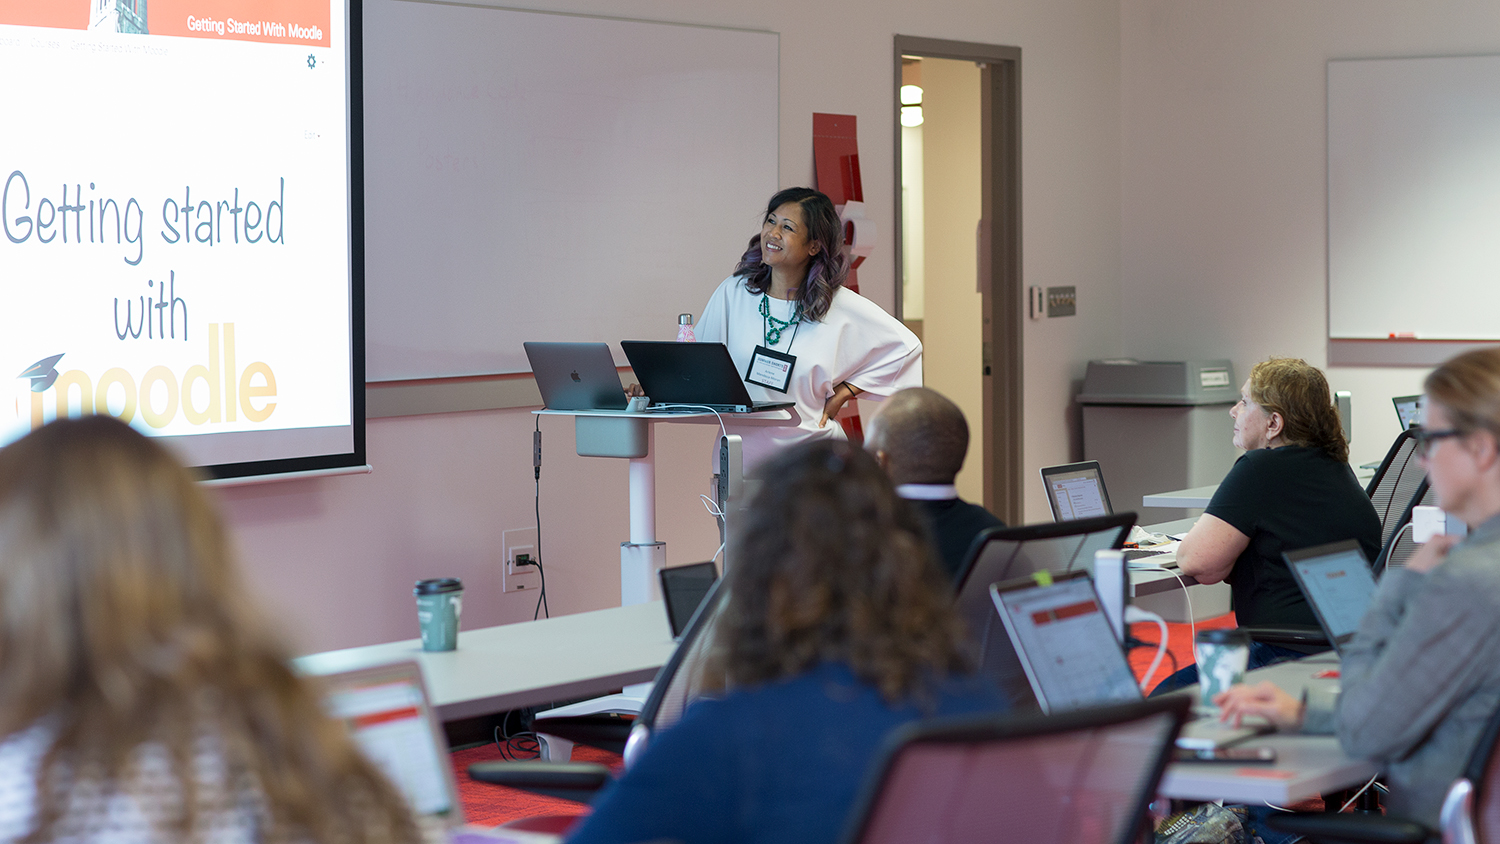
(777, 763)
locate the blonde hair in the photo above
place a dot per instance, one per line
(1468, 388)
(1298, 391)
(125, 626)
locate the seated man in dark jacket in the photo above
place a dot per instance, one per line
(920, 437)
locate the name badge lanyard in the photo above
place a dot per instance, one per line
(769, 368)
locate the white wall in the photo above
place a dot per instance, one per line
(1223, 154)
(336, 558)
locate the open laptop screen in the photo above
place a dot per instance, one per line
(1409, 408)
(1065, 643)
(683, 588)
(388, 715)
(1076, 491)
(1338, 584)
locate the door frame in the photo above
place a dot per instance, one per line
(1003, 319)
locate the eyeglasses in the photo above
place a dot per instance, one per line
(1425, 438)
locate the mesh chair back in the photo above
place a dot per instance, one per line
(1395, 481)
(1399, 546)
(677, 683)
(1083, 777)
(1006, 553)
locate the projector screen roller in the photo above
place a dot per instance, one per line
(180, 194)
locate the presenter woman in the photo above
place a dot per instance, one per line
(141, 698)
(1421, 676)
(837, 628)
(797, 334)
(1292, 489)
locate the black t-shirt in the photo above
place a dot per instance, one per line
(954, 524)
(1285, 499)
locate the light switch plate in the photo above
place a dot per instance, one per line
(1062, 301)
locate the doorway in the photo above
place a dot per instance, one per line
(958, 246)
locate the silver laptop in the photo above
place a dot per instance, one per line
(1339, 586)
(387, 711)
(1071, 658)
(390, 717)
(1077, 491)
(576, 376)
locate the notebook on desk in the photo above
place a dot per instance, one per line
(576, 376)
(1072, 659)
(1338, 584)
(1077, 491)
(694, 374)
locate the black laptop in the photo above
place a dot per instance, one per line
(698, 375)
(683, 589)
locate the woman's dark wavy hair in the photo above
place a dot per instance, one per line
(827, 269)
(833, 567)
(1298, 391)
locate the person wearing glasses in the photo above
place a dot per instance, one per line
(837, 628)
(1421, 677)
(1292, 489)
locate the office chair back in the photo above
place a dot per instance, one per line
(1010, 552)
(1395, 481)
(1399, 546)
(1471, 812)
(677, 683)
(1081, 777)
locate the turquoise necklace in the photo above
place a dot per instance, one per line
(774, 326)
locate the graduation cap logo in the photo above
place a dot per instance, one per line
(42, 373)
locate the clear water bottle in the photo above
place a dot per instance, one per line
(685, 329)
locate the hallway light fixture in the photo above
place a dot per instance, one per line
(911, 105)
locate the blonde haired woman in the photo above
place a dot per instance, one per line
(1421, 676)
(141, 697)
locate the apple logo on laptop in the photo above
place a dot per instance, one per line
(576, 379)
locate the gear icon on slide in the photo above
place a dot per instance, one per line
(312, 61)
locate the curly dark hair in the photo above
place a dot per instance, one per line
(1298, 391)
(833, 567)
(828, 268)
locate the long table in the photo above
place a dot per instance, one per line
(1305, 767)
(530, 663)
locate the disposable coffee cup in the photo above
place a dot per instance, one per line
(1222, 657)
(439, 604)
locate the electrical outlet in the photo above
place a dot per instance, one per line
(517, 542)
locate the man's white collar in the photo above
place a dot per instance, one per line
(927, 492)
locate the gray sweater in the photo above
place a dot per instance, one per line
(1421, 678)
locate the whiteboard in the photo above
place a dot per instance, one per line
(536, 176)
(1414, 198)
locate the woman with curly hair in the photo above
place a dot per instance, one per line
(142, 698)
(837, 627)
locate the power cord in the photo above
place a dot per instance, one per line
(513, 747)
(536, 474)
(1135, 614)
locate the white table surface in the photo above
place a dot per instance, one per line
(1305, 766)
(1197, 497)
(529, 663)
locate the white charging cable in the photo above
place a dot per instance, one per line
(1134, 614)
(1186, 595)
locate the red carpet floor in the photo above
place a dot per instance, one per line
(490, 805)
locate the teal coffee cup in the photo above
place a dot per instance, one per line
(439, 604)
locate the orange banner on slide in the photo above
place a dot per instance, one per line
(270, 21)
(303, 22)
